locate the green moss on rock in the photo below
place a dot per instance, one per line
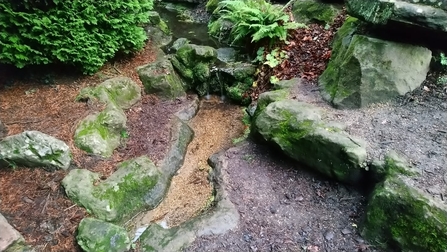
(398, 215)
(96, 235)
(137, 184)
(305, 11)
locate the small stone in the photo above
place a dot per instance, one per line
(300, 198)
(273, 209)
(346, 231)
(329, 235)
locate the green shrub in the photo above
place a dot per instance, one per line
(256, 19)
(83, 33)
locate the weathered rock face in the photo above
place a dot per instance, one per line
(96, 235)
(160, 78)
(402, 216)
(298, 129)
(365, 70)
(34, 149)
(100, 133)
(429, 14)
(158, 31)
(136, 184)
(306, 11)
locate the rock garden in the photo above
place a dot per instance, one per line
(306, 125)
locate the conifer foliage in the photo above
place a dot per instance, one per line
(85, 33)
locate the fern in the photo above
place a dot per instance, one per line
(255, 19)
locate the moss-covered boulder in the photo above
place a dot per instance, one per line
(160, 78)
(34, 149)
(365, 70)
(402, 217)
(307, 11)
(194, 63)
(122, 92)
(137, 184)
(431, 15)
(96, 235)
(233, 80)
(299, 130)
(100, 133)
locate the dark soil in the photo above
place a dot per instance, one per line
(284, 207)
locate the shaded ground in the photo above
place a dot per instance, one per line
(283, 207)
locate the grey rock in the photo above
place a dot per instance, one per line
(430, 15)
(299, 130)
(34, 149)
(329, 235)
(365, 70)
(8, 235)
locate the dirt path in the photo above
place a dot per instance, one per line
(216, 124)
(283, 207)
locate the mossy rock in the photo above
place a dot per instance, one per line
(95, 235)
(364, 70)
(101, 133)
(122, 92)
(307, 11)
(402, 217)
(298, 130)
(34, 149)
(160, 78)
(136, 185)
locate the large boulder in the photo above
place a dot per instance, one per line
(194, 63)
(96, 235)
(160, 78)
(299, 130)
(431, 15)
(137, 184)
(34, 149)
(306, 11)
(100, 133)
(365, 70)
(122, 92)
(399, 215)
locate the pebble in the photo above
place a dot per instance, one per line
(329, 235)
(346, 231)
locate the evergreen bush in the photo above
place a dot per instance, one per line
(85, 33)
